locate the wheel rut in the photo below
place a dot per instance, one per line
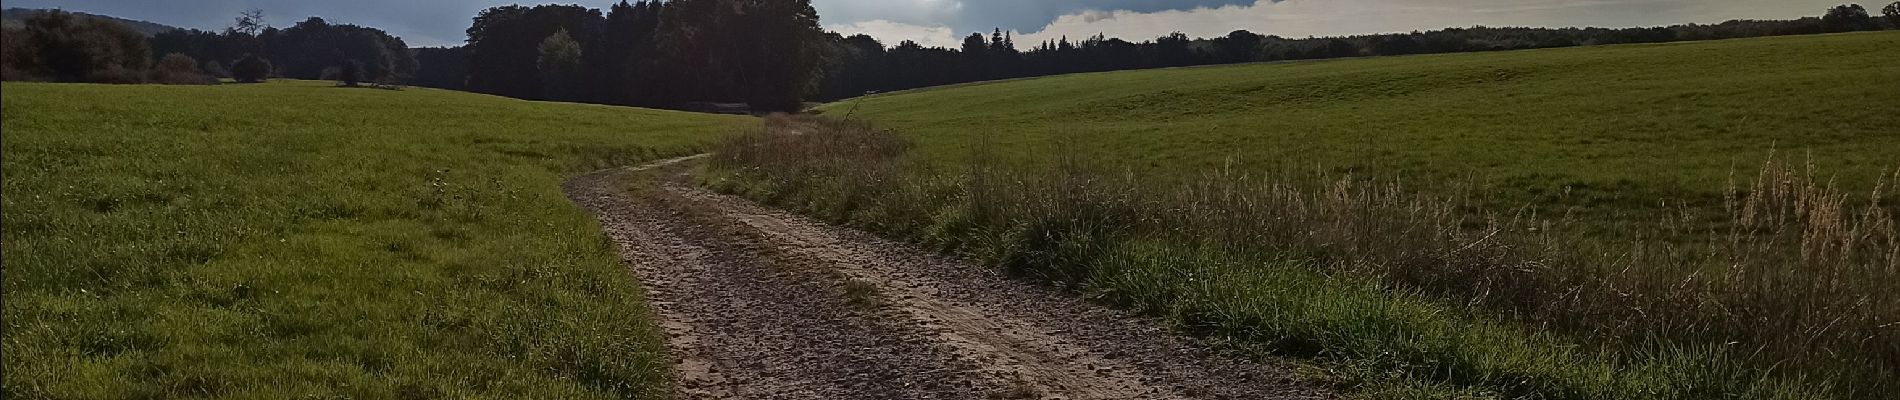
(759, 303)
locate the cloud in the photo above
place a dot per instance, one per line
(1301, 18)
(441, 22)
(945, 22)
(968, 16)
(893, 32)
(913, 12)
(1093, 16)
(1024, 15)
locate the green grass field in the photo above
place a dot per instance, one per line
(1361, 214)
(1609, 129)
(293, 239)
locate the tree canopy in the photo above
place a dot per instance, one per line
(770, 54)
(669, 54)
(302, 51)
(63, 47)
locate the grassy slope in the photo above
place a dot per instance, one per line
(1286, 272)
(294, 239)
(1616, 127)
(1621, 131)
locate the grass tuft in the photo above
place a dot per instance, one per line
(862, 294)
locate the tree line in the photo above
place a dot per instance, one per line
(861, 64)
(770, 54)
(311, 49)
(645, 53)
(63, 47)
(59, 46)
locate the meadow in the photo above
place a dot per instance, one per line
(295, 239)
(1680, 221)
(1612, 130)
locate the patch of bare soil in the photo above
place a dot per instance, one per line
(759, 303)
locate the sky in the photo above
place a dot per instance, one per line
(943, 22)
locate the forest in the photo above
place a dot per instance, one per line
(71, 47)
(770, 55)
(861, 64)
(682, 53)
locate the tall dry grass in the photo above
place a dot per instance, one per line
(1797, 284)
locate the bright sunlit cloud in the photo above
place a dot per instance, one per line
(1301, 18)
(893, 32)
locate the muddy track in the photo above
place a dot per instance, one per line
(762, 304)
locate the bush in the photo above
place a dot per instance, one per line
(179, 69)
(8, 73)
(216, 69)
(114, 74)
(251, 69)
(175, 62)
(68, 48)
(14, 55)
(351, 74)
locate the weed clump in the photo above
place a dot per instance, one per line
(861, 293)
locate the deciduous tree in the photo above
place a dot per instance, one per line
(560, 66)
(251, 69)
(1847, 17)
(179, 69)
(504, 46)
(68, 48)
(351, 73)
(250, 22)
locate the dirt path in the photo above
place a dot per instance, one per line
(759, 303)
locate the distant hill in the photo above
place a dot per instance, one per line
(13, 17)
